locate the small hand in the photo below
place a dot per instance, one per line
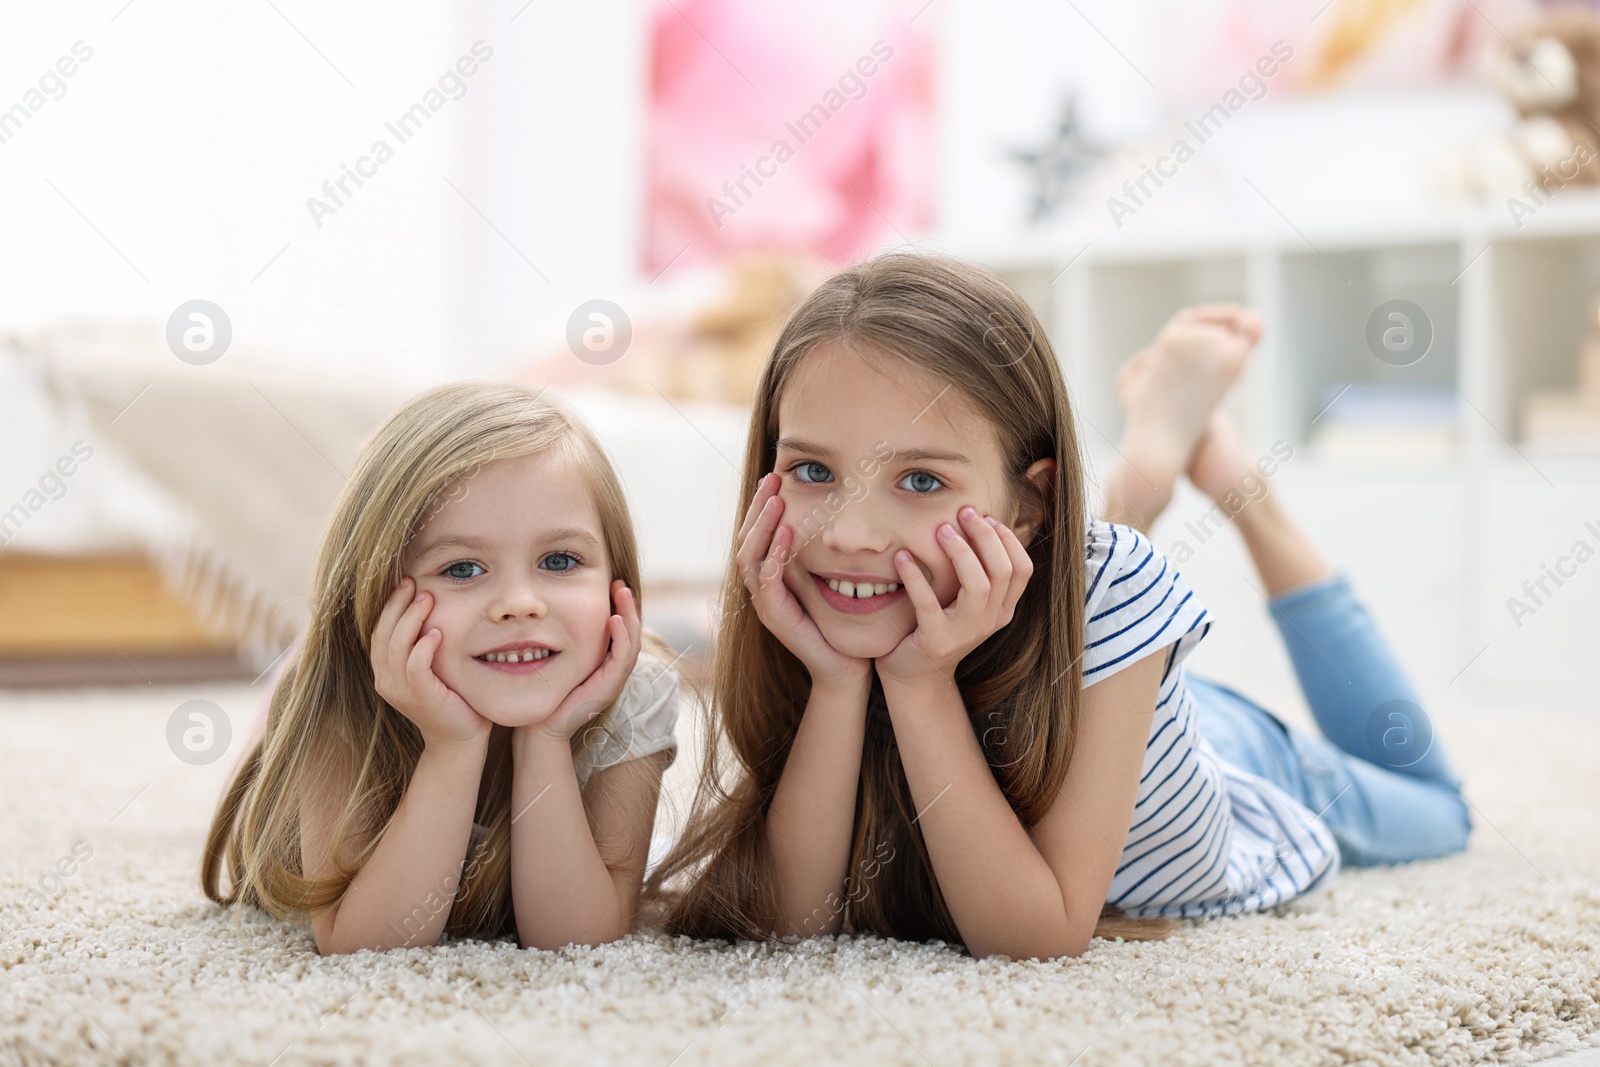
(604, 684)
(764, 549)
(402, 672)
(992, 580)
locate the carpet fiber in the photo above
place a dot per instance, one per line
(1492, 956)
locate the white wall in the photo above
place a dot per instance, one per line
(194, 135)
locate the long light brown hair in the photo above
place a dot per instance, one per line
(325, 707)
(1022, 687)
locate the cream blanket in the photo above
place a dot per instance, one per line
(248, 459)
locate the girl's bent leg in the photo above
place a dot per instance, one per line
(1377, 816)
(1358, 694)
(1378, 777)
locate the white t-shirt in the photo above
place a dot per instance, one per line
(641, 724)
(1207, 838)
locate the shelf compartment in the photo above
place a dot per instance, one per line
(1326, 305)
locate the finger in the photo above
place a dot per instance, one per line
(625, 639)
(751, 510)
(628, 608)
(915, 583)
(409, 624)
(770, 586)
(404, 634)
(975, 584)
(622, 643)
(621, 598)
(612, 671)
(766, 488)
(769, 545)
(419, 663)
(757, 543)
(399, 598)
(778, 556)
(1021, 564)
(986, 542)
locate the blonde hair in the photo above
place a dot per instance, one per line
(325, 707)
(1022, 687)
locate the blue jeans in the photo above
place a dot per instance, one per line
(1378, 777)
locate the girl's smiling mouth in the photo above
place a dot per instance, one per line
(857, 594)
(521, 658)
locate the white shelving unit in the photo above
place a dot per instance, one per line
(1438, 541)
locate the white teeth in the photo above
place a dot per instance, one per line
(527, 655)
(863, 590)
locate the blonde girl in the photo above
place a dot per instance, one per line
(949, 704)
(467, 738)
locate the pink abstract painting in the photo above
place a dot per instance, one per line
(787, 128)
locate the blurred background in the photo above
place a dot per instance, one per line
(238, 235)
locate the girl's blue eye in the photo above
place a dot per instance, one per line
(460, 577)
(921, 482)
(812, 473)
(560, 562)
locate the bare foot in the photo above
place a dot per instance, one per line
(1168, 393)
(1221, 461)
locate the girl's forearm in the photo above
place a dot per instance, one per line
(811, 821)
(561, 889)
(403, 894)
(1002, 894)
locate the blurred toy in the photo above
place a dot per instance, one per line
(712, 354)
(1550, 72)
(720, 355)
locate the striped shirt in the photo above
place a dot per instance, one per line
(1207, 838)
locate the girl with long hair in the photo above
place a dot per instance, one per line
(467, 739)
(949, 704)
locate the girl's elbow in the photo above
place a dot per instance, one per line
(330, 944)
(329, 949)
(1042, 950)
(1073, 950)
(327, 945)
(553, 943)
(1045, 942)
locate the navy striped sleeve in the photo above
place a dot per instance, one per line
(1137, 603)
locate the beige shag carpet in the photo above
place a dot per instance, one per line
(1489, 957)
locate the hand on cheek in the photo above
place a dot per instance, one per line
(775, 583)
(932, 558)
(407, 667)
(991, 568)
(617, 654)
